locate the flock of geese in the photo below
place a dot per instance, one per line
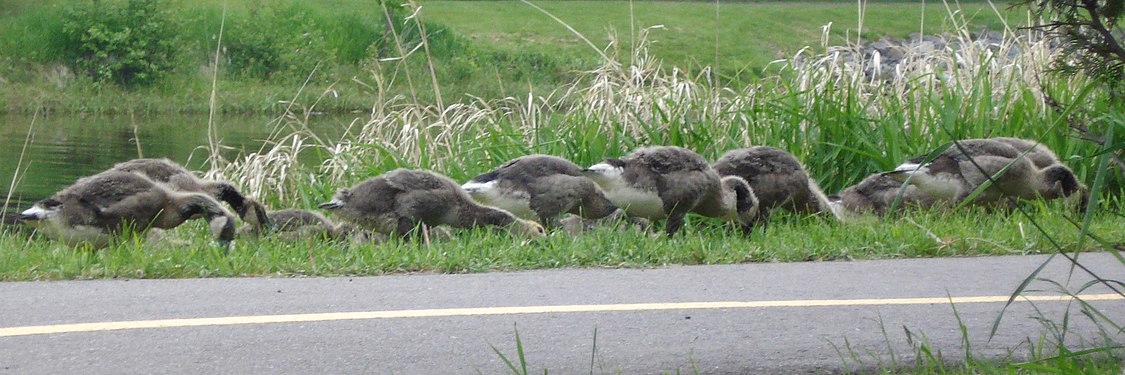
(529, 194)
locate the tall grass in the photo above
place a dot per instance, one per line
(844, 114)
(846, 117)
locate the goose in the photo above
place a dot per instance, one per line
(94, 208)
(573, 224)
(292, 223)
(877, 193)
(540, 187)
(1044, 158)
(778, 179)
(667, 182)
(1039, 154)
(955, 173)
(180, 178)
(397, 201)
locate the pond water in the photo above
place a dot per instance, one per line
(63, 148)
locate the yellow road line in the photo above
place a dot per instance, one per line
(321, 317)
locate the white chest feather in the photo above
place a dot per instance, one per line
(636, 202)
(516, 202)
(939, 185)
(75, 235)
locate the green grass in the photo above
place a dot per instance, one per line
(742, 37)
(841, 123)
(189, 252)
(1045, 356)
(516, 51)
(344, 40)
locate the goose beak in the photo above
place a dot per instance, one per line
(33, 213)
(892, 173)
(332, 205)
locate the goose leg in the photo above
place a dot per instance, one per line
(403, 228)
(674, 223)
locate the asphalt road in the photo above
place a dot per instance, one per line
(750, 318)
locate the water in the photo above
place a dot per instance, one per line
(65, 147)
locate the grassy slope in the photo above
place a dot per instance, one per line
(748, 35)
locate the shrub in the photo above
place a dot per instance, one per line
(130, 44)
(277, 42)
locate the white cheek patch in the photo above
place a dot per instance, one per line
(912, 168)
(37, 212)
(605, 174)
(605, 168)
(479, 187)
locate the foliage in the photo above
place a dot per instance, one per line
(526, 54)
(1092, 33)
(130, 44)
(1092, 39)
(278, 42)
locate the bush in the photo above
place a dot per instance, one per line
(277, 42)
(134, 44)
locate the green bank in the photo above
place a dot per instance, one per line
(342, 56)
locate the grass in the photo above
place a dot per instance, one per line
(822, 107)
(519, 51)
(1045, 355)
(737, 39)
(343, 45)
(189, 252)
(1051, 352)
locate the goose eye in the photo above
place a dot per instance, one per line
(51, 203)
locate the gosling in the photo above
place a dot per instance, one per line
(398, 201)
(1044, 158)
(877, 194)
(666, 182)
(778, 179)
(94, 209)
(292, 223)
(1039, 154)
(540, 187)
(958, 171)
(180, 178)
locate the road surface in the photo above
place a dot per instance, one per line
(750, 318)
